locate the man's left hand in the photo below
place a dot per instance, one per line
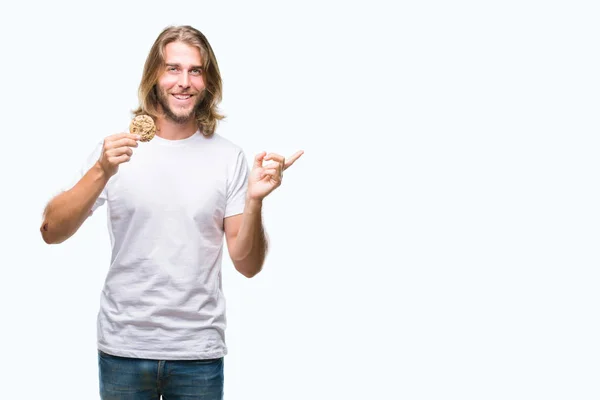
(264, 178)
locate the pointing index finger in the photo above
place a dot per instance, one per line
(291, 159)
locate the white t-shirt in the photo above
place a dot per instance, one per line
(163, 298)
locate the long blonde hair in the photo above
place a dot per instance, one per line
(207, 114)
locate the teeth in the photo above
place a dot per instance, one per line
(184, 97)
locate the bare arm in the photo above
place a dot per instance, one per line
(246, 239)
(66, 212)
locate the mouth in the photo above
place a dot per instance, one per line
(182, 97)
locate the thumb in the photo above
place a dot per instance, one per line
(258, 159)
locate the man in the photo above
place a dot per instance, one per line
(162, 313)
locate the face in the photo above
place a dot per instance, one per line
(180, 87)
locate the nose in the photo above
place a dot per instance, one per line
(184, 80)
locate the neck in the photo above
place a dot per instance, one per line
(167, 129)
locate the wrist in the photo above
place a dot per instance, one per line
(100, 172)
(253, 205)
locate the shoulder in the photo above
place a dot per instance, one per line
(225, 146)
(223, 142)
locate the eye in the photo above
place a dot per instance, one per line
(196, 71)
(171, 69)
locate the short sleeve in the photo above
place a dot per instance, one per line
(237, 183)
(83, 169)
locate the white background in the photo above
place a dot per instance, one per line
(437, 240)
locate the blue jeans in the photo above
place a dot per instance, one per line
(124, 378)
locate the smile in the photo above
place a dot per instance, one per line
(182, 96)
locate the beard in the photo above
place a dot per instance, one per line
(184, 116)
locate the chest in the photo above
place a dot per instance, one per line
(169, 186)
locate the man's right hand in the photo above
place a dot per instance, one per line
(117, 149)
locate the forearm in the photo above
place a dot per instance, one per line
(67, 211)
(251, 245)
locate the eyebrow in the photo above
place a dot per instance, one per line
(179, 65)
